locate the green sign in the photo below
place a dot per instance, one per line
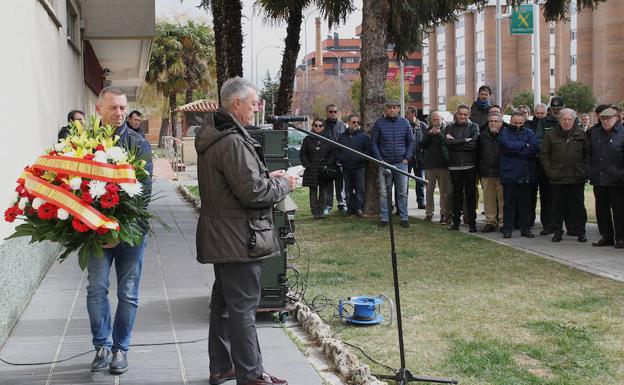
(522, 20)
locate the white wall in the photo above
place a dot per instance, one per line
(42, 80)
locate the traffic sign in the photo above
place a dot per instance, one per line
(522, 20)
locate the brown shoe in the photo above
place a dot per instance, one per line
(428, 217)
(266, 379)
(220, 378)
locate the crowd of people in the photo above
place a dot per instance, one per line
(549, 156)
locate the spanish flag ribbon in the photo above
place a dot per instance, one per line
(68, 201)
(113, 173)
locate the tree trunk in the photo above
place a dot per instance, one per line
(218, 22)
(232, 12)
(373, 69)
(172, 114)
(188, 95)
(289, 62)
(164, 127)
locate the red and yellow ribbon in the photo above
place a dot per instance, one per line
(113, 173)
(68, 201)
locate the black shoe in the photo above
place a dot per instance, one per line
(102, 359)
(489, 228)
(546, 232)
(557, 237)
(404, 224)
(421, 206)
(454, 226)
(502, 230)
(506, 234)
(581, 238)
(119, 364)
(604, 242)
(383, 223)
(527, 234)
(473, 228)
(619, 245)
(220, 378)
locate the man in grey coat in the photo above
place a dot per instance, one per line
(235, 232)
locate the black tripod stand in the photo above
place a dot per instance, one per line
(403, 375)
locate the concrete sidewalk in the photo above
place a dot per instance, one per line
(174, 300)
(603, 261)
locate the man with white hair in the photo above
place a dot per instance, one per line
(565, 154)
(235, 232)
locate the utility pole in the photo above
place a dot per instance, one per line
(402, 78)
(537, 73)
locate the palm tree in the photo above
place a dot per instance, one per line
(198, 57)
(291, 12)
(166, 68)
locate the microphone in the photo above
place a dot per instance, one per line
(286, 118)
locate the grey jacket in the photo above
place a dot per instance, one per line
(237, 195)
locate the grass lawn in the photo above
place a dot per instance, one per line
(472, 309)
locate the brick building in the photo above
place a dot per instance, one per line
(459, 57)
(333, 67)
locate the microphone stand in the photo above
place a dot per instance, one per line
(403, 375)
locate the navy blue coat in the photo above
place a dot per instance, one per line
(130, 140)
(392, 140)
(607, 157)
(518, 159)
(358, 141)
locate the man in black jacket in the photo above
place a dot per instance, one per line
(71, 117)
(607, 176)
(489, 165)
(334, 127)
(416, 165)
(353, 166)
(461, 140)
(480, 108)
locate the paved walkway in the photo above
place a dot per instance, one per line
(174, 300)
(604, 261)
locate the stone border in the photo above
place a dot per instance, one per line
(189, 197)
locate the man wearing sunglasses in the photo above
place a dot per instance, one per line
(334, 127)
(353, 166)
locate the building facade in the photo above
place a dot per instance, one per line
(57, 56)
(460, 57)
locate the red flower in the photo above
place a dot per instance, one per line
(11, 213)
(31, 211)
(109, 200)
(53, 152)
(87, 198)
(65, 186)
(79, 226)
(21, 190)
(89, 157)
(99, 148)
(84, 186)
(47, 211)
(102, 230)
(112, 188)
(60, 177)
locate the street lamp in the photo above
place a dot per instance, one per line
(305, 48)
(337, 66)
(258, 54)
(251, 62)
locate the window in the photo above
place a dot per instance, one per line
(551, 30)
(349, 60)
(460, 79)
(573, 60)
(461, 60)
(572, 35)
(480, 56)
(73, 25)
(552, 72)
(460, 22)
(441, 99)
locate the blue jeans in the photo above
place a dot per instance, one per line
(128, 265)
(400, 183)
(354, 188)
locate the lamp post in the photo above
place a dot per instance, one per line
(251, 62)
(258, 54)
(337, 66)
(305, 48)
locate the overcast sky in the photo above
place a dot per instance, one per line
(263, 35)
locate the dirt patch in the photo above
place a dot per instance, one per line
(533, 366)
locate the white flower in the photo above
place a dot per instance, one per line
(22, 203)
(71, 154)
(14, 197)
(97, 188)
(37, 202)
(100, 156)
(116, 154)
(60, 146)
(75, 183)
(62, 214)
(132, 189)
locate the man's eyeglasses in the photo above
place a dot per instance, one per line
(317, 125)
